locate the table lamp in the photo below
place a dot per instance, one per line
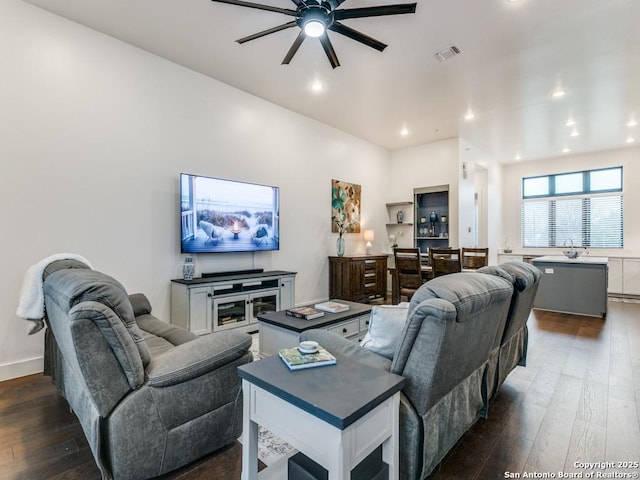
(369, 236)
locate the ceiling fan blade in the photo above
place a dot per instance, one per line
(294, 48)
(328, 49)
(357, 36)
(267, 32)
(298, 3)
(335, 3)
(258, 6)
(375, 11)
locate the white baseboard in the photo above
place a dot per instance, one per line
(21, 369)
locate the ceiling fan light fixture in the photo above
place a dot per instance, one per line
(315, 17)
(314, 21)
(314, 28)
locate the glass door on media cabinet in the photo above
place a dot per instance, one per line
(230, 312)
(263, 302)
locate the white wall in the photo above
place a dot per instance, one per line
(627, 158)
(486, 174)
(440, 163)
(466, 190)
(426, 166)
(93, 135)
(481, 180)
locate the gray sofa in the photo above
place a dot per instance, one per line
(454, 323)
(150, 397)
(511, 351)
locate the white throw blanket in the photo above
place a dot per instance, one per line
(31, 302)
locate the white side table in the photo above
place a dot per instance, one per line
(335, 415)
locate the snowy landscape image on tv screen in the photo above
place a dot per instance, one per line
(220, 215)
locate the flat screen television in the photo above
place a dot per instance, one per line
(219, 215)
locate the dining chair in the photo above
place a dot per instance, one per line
(408, 271)
(444, 261)
(473, 258)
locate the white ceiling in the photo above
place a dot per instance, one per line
(514, 55)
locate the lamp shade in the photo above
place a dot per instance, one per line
(369, 235)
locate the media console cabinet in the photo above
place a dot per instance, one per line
(230, 300)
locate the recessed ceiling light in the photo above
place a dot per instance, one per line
(405, 131)
(565, 150)
(574, 132)
(517, 157)
(558, 93)
(570, 123)
(469, 115)
(630, 139)
(632, 123)
(316, 86)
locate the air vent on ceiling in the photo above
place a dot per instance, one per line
(447, 53)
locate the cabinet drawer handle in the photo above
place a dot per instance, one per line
(209, 295)
(344, 330)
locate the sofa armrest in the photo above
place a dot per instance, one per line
(338, 345)
(171, 333)
(140, 304)
(195, 358)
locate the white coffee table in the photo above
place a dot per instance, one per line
(279, 330)
(336, 415)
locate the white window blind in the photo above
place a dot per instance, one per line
(555, 218)
(587, 222)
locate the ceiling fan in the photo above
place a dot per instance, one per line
(315, 17)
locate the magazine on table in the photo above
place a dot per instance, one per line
(296, 360)
(332, 307)
(307, 313)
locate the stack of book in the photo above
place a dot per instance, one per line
(296, 360)
(332, 307)
(307, 313)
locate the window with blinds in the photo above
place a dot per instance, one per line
(583, 208)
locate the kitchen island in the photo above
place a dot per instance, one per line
(572, 285)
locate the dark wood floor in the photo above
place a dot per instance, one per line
(578, 400)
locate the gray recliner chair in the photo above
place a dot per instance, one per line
(453, 324)
(512, 348)
(150, 397)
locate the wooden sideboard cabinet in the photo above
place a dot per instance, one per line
(358, 278)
